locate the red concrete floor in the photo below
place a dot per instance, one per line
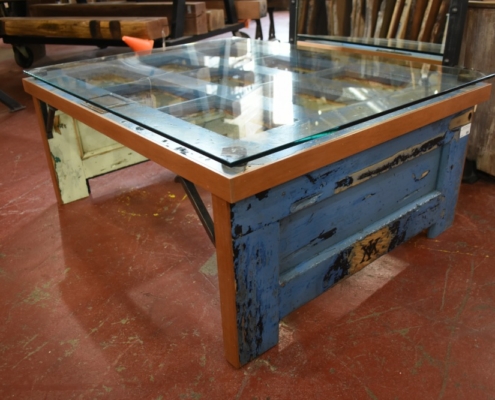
(115, 297)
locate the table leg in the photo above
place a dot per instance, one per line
(248, 282)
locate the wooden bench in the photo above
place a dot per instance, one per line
(85, 28)
(28, 35)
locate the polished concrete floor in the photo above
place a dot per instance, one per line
(115, 296)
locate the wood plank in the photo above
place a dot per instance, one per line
(86, 28)
(330, 19)
(394, 21)
(478, 53)
(354, 19)
(428, 20)
(311, 18)
(402, 27)
(384, 17)
(302, 12)
(416, 17)
(371, 15)
(321, 20)
(357, 18)
(215, 19)
(195, 21)
(360, 17)
(341, 13)
(438, 30)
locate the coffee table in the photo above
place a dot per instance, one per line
(318, 162)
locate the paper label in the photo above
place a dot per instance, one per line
(465, 130)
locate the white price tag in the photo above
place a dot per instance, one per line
(465, 130)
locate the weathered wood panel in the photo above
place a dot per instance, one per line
(317, 275)
(80, 153)
(478, 52)
(296, 240)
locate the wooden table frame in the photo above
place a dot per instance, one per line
(255, 291)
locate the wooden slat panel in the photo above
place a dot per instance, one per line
(341, 15)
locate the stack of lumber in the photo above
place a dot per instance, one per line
(418, 20)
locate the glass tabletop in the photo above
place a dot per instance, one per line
(236, 100)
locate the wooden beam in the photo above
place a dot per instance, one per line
(86, 28)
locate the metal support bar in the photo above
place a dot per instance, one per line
(10, 102)
(293, 13)
(271, 31)
(179, 19)
(259, 30)
(199, 206)
(230, 11)
(457, 18)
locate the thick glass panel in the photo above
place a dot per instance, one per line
(236, 100)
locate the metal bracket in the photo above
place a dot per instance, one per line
(461, 120)
(199, 206)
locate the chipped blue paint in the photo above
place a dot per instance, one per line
(294, 241)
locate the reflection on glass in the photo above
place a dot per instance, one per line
(236, 100)
(413, 46)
